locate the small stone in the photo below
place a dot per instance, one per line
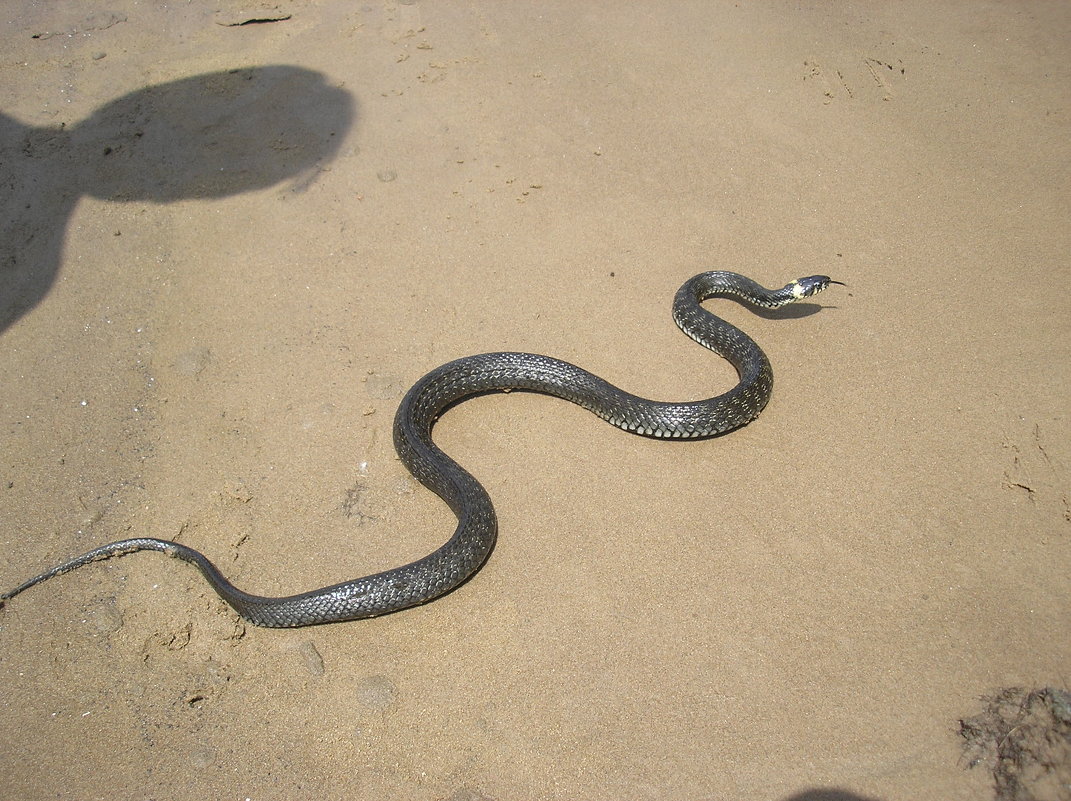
(311, 657)
(105, 618)
(376, 692)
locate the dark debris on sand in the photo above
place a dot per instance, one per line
(1024, 738)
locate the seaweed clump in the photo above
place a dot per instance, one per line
(1024, 738)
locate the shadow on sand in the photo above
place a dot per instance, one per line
(207, 136)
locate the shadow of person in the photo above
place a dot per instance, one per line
(207, 136)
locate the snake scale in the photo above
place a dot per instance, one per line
(465, 552)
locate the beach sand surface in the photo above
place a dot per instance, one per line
(229, 249)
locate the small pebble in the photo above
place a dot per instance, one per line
(376, 692)
(311, 657)
(105, 618)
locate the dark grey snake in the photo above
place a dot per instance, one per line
(457, 560)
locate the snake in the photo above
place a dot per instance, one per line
(468, 549)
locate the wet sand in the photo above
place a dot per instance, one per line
(228, 250)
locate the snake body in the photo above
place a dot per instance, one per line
(472, 541)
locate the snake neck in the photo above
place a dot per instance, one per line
(722, 337)
(721, 283)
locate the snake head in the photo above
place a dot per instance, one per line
(811, 285)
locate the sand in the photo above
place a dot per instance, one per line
(228, 250)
